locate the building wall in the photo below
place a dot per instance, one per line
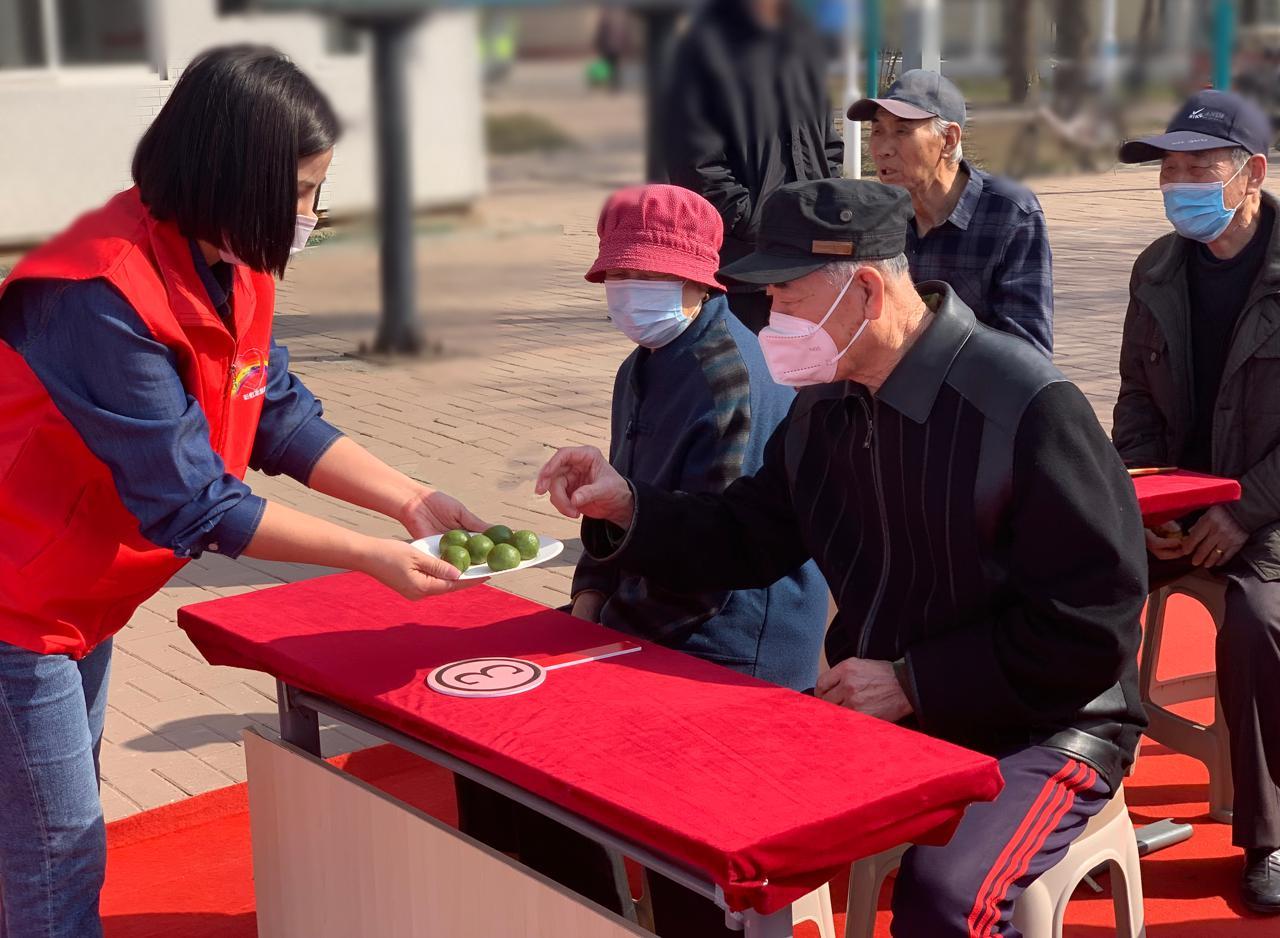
(71, 131)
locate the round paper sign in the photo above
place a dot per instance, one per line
(486, 677)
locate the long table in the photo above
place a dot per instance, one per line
(750, 794)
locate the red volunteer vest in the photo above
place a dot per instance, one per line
(73, 565)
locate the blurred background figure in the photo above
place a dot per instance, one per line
(1258, 72)
(830, 17)
(747, 111)
(611, 41)
(497, 44)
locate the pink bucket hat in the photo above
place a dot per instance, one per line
(661, 229)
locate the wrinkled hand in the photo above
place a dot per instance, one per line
(580, 482)
(588, 605)
(410, 572)
(1167, 541)
(431, 512)
(869, 687)
(1215, 538)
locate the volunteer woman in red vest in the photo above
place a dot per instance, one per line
(138, 381)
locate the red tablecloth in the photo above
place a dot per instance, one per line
(1171, 495)
(767, 791)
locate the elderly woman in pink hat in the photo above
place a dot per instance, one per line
(693, 406)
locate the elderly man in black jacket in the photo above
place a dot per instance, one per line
(1200, 388)
(747, 111)
(978, 531)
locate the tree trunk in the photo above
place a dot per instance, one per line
(1137, 78)
(1019, 56)
(1071, 48)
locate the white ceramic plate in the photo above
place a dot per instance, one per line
(548, 547)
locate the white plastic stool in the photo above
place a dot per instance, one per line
(866, 877)
(816, 908)
(1208, 744)
(1107, 838)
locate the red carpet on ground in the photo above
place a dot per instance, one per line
(186, 869)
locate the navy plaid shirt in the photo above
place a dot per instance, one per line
(994, 252)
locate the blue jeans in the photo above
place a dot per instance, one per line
(53, 843)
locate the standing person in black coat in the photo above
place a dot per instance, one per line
(747, 111)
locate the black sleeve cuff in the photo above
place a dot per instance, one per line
(604, 540)
(902, 671)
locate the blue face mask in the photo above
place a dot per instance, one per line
(1197, 210)
(648, 312)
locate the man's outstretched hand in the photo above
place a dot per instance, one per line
(581, 482)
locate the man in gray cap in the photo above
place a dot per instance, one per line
(1200, 388)
(983, 234)
(979, 534)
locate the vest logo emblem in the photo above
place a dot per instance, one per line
(250, 379)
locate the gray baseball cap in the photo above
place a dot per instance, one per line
(916, 95)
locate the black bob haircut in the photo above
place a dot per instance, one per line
(221, 158)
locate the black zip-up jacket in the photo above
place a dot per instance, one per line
(746, 111)
(972, 521)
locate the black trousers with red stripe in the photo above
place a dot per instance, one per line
(968, 887)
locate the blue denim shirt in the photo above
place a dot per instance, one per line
(122, 392)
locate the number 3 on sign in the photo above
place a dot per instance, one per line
(502, 677)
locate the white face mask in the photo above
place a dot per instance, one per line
(648, 312)
(302, 228)
(800, 353)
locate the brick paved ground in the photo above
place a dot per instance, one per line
(528, 367)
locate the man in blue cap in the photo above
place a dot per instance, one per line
(982, 234)
(1200, 388)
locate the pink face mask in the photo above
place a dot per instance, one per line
(800, 353)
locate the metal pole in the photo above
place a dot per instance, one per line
(1178, 31)
(922, 35)
(979, 51)
(398, 329)
(1108, 52)
(299, 725)
(1224, 23)
(852, 129)
(871, 44)
(52, 48)
(659, 28)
